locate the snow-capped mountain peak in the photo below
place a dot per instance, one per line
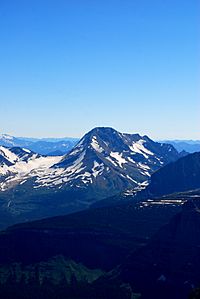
(104, 163)
(104, 159)
(104, 156)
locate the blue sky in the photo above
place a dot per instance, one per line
(67, 66)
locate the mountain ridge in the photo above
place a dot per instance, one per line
(179, 176)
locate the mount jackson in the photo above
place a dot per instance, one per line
(104, 163)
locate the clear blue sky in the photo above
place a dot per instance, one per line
(67, 66)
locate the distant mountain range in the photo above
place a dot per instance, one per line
(103, 163)
(44, 146)
(189, 146)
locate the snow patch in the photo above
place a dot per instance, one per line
(138, 147)
(97, 169)
(6, 153)
(95, 145)
(26, 150)
(118, 157)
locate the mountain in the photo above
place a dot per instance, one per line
(103, 164)
(106, 160)
(114, 161)
(189, 146)
(42, 146)
(179, 176)
(169, 265)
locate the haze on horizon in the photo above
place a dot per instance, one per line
(69, 66)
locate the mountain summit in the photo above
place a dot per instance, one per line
(110, 161)
(104, 163)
